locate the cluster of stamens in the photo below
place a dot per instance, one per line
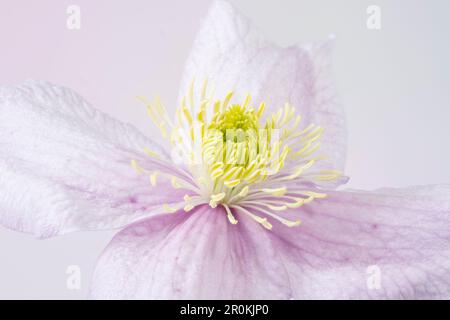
(230, 155)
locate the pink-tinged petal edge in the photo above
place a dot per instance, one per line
(404, 234)
(65, 166)
(233, 55)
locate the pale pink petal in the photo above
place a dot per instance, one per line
(195, 255)
(233, 55)
(343, 241)
(64, 166)
(346, 238)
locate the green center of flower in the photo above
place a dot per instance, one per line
(235, 117)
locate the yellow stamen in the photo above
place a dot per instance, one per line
(278, 192)
(236, 157)
(153, 177)
(168, 209)
(230, 216)
(175, 183)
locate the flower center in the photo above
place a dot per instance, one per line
(237, 153)
(233, 157)
(233, 118)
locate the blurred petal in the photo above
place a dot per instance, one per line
(233, 55)
(343, 242)
(64, 166)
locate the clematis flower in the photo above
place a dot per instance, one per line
(246, 203)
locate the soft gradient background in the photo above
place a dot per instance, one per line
(393, 82)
